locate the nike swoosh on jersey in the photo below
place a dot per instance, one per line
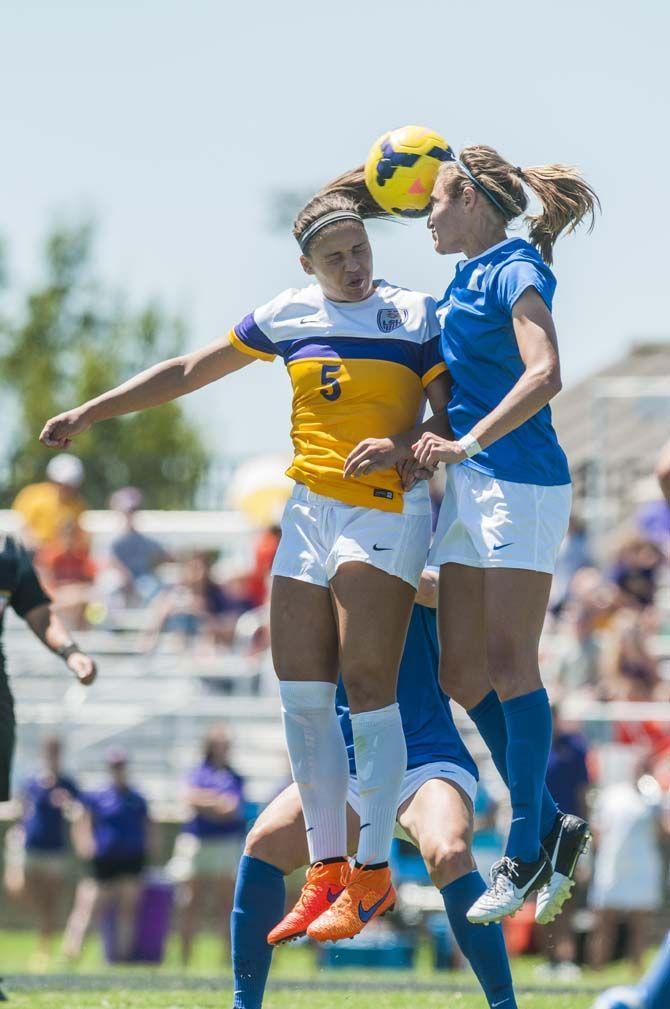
(500, 546)
(364, 914)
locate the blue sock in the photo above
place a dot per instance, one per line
(259, 904)
(489, 718)
(483, 946)
(655, 986)
(528, 721)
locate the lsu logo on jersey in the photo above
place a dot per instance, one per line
(389, 319)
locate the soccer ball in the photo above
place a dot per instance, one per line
(402, 166)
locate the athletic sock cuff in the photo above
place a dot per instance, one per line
(491, 700)
(535, 699)
(307, 695)
(260, 865)
(369, 719)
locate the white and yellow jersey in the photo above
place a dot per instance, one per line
(358, 370)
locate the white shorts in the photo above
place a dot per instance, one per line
(319, 533)
(490, 523)
(414, 779)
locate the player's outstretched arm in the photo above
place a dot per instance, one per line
(44, 623)
(159, 384)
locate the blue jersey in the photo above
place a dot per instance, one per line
(119, 817)
(482, 354)
(427, 721)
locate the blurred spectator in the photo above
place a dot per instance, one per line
(627, 882)
(46, 797)
(567, 780)
(68, 571)
(634, 570)
(198, 605)
(135, 555)
(113, 833)
(258, 582)
(663, 471)
(46, 508)
(573, 555)
(212, 842)
(630, 671)
(567, 771)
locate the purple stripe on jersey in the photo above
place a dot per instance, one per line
(355, 349)
(254, 337)
(432, 353)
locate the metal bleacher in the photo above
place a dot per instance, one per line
(156, 706)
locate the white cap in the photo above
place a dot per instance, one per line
(66, 469)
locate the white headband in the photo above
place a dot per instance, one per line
(322, 222)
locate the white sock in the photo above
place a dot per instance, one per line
(319, 764)
(381, 762)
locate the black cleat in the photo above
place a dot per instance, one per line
(566, 841)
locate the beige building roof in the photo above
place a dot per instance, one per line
(613, 424)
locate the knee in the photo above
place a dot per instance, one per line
(465, 684)
(446, 859)
(369, 687)
(513, 665)
(266, 846)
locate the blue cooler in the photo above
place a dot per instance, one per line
(386, 949)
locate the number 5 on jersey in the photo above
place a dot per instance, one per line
(333, 389)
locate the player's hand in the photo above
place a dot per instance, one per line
(373, 454)
(59, 431)
(411, 472)
(430, 450)
(83, 667)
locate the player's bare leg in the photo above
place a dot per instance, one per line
(438, 818)
(373, 610)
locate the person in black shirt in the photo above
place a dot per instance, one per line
(20, 588)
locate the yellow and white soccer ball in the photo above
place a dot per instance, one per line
(402, 166)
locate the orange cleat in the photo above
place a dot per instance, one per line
(368, 894)
(323, 886)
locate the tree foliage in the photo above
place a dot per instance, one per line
(70, 340)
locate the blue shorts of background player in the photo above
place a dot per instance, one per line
(435, 813)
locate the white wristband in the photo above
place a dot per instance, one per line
(469, 445)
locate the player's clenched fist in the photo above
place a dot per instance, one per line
(59, 431)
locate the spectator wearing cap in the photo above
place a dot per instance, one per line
(47, 508)
(213, 838)
(114, 834)
(135, 555)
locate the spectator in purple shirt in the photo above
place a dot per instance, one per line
(213, 838)
(46, 797)
(114, 834)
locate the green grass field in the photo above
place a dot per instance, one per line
(206, 984)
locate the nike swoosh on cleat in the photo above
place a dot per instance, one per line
(375, 547)
(332, 896)
(366, 915)
(527, 886)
